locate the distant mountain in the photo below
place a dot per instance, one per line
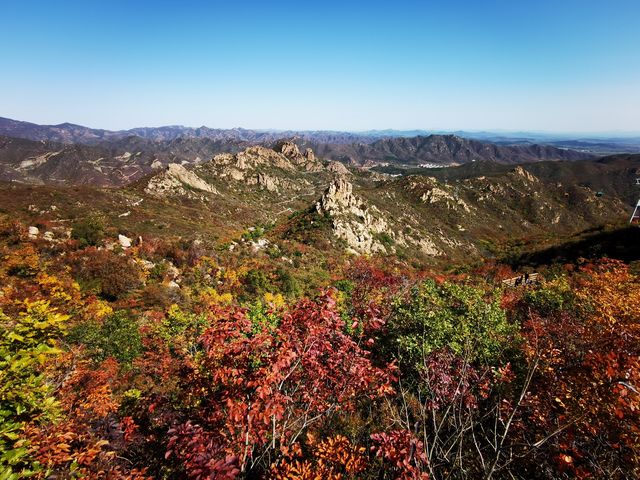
(70, 133)
(73, 155)
(63, 133)
(440, 150)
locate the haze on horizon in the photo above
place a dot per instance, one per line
(570, 66)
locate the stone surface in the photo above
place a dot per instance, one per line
(174, 180)
(124, 241)
(353, 220)
(337, 167)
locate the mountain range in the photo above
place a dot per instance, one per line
(432, 197)
(72, 154)
(450, 213)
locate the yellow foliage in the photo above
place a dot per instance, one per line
(56, 287)
(98, 309)
(25, 259)
(210, 296)
(615, 296)
(331, 459)
(230, 277)
(274, 300)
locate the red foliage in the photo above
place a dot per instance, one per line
(585, 390)
(403, 452)
(87, 438)
(202, 453)
(374, 289)
(264, 385)
(451, 379)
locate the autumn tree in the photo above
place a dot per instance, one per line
(263, 386)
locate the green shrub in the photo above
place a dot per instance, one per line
(88, 231)
(116, 336)
(257, 282)
(253, 234)
(552, 297)
(345, 286)
(385, 239)
(26, 342)
(457, 317)
(289, 285)
(261, 317)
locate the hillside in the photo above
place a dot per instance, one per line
(613, 176)
(106, 163)
(429, 217)
(120, 161)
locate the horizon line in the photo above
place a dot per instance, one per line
(619, 133)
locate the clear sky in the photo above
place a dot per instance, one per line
(543, 65)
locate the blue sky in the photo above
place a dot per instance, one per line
(563, 65)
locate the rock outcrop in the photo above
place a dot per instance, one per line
(177, 180)
(521, 172)
(236, 165)
(306, 160)
(289, 150)
(353, 220)
(339, 168)
(267, 168)
(438, 195)
(433, 192)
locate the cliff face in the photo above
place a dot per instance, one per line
(354, 221)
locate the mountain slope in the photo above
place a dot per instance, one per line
(324, 205)
(107, 163)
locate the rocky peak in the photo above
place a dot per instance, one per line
(254, 157)
(174, 180)
(270, 169)
(339, 195)
(289, 150)
(521, 172)
(309, 155)
(353, 220)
